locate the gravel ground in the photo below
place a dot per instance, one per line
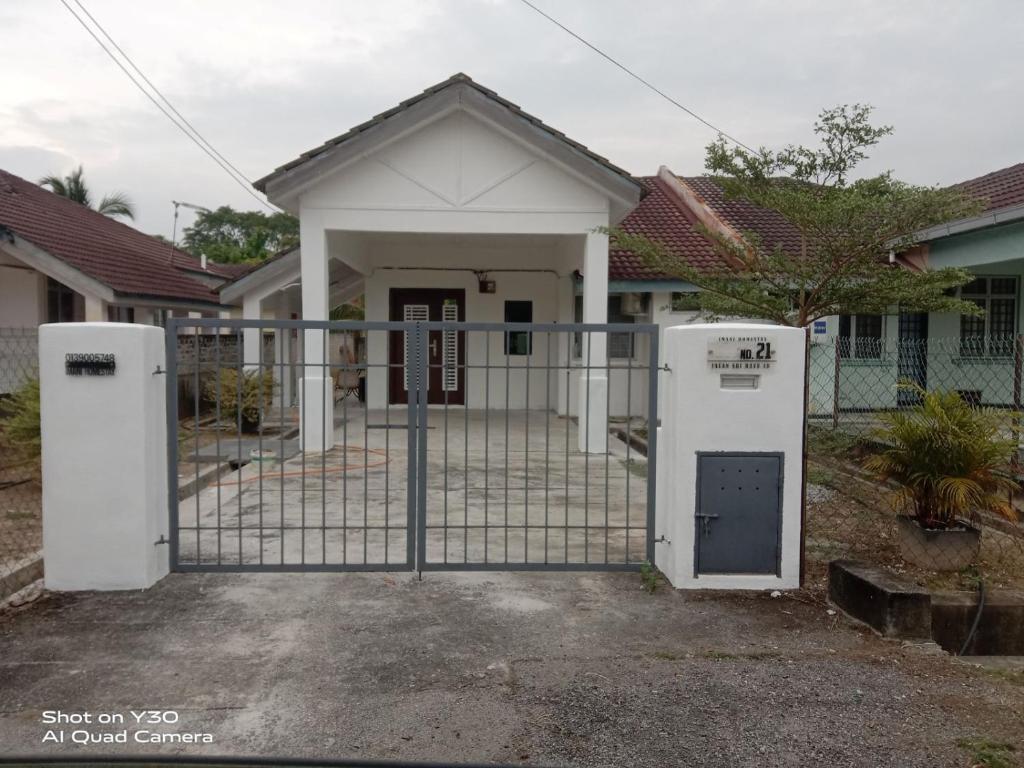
(533, 669)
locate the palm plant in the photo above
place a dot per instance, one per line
(949, 459)
(73, 187)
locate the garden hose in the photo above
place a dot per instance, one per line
(977, 618)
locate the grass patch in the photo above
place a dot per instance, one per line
(986, 753)
(819, 475)
(824, 441)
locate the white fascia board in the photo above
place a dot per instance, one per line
(278, 271)
(960, 226)
(285, 190)
(51, 266)
(585, 169)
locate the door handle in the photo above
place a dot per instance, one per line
(433, 348)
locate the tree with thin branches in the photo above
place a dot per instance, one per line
(74, 187)
(847, 230)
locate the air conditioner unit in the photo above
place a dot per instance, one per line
(633, 304)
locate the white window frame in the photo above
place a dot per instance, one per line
(984, 298)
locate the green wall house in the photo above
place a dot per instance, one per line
(973, 355)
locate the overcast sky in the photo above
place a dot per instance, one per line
(264, 80)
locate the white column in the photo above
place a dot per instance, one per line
(251, 337)
(564, 347)
(95, 309)
(316, 392)
(104, 445)
(592, 401)
(729, 404)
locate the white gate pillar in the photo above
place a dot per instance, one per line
(592, 400)
(104, 450)
(316, 392)
(733, 403)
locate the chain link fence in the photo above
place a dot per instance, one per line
(21, 530)
(853, 385)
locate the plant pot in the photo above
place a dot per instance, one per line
(950, 549)
(266, 458)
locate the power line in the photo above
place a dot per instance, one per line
(158, 93)
(200, 142)
(637, 77)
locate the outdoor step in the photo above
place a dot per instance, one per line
(893, 606)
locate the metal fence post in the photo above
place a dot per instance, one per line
(835, 383)
(1018, 359)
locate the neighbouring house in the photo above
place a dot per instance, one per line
(63, 262)
(976, 356)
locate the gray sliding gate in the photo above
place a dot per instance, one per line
(455, 446)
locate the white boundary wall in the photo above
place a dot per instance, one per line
(104, 458)
(699, 416)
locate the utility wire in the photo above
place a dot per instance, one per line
(637, 77)
(200, 142)
(156, 90)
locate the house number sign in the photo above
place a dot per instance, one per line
(742, 352)
(89, 364)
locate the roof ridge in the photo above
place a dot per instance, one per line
(718, 221)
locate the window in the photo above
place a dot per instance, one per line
(518, 342)
(620, 345)
(861, 336)
(992, 334)
(60, 302)
(684, 301)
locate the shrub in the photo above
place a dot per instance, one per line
(949, 459)
(19, 420)
(257, 390)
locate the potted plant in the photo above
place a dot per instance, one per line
(950, 462)
(242, 401)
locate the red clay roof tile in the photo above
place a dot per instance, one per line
(743, 216)
(999, 189)
(661, 217)
(128, 261)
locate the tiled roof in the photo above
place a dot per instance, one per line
(999, 189)
(106, 250)
(661, 216)
(261, 184)
(743, 216)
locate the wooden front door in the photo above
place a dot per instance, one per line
(446, 350)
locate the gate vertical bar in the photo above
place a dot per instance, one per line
(422, 377)
(171, 353)
(652, 441)
(413, 555)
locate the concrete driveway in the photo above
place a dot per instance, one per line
(501, 487)
(539, 669)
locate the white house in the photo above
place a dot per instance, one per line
(421, 208)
